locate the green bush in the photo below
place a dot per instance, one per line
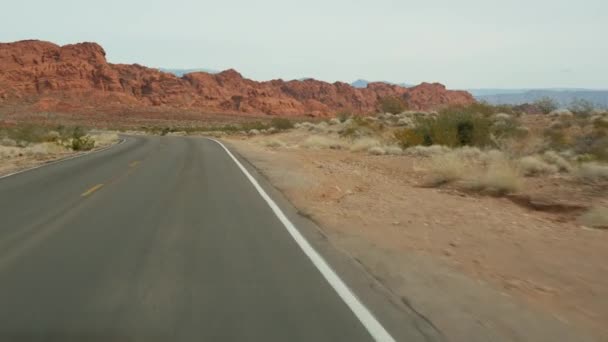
(85, 143)
(343, 115)
(451, 129)
(248, 126)
(581, 107)
(393, 105)
(546, 105)
(408, 137)
(281, 123)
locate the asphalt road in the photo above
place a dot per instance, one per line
(159, 239)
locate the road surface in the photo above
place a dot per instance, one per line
(164, 239)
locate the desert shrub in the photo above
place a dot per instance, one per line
(358, 127)
(376, 150)
(447, 168)
(392, 104)
(500, 178)
(273, 143)
(455, 128)
(533, 165)
(335, 121)
(596, 217)
(426, 151)
(581, 107)
(592, 172)
(364, 144)
(322, 142)
(24, 134)
(546, 105)
(343, 115)
(281, 123)
(594, 143)
(84, 143)
(557, 139)
(257, 125)
(468, 152)
(409, 137)
(393, 150)
(560, 162)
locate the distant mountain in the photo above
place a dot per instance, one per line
(363, 84)
(562, 96)
(182, 72)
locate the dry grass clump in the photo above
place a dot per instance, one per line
(323, 142)
(447, 168)
(500, 178)
(597, 217)
(273, 143)
(534, 165)
(393, 150)
(32, 150)
(592, 172)
(364, 144)
(376, 151)
(426, 151)
(560, 162)
(489, 172)
(104, 138)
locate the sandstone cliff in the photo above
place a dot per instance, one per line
(77, 76)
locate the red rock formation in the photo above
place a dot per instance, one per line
(77, 76)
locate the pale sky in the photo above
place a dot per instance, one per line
(463, 44)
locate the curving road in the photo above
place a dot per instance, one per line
(166, 239)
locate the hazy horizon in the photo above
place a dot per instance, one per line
(472, 44)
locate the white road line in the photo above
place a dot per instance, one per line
(62, 160)
(363, 314)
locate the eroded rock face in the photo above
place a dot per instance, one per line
(77, 76)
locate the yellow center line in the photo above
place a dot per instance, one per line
(91, 190)
(134, 163)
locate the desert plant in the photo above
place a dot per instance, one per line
(281, 123)
(273, 143)
(596, 217)
(455, 127)
(376, 150)
(553, 158)
(581, 107)
(343, 115)
(393, 105)
(533, 165)
(447, 168)
(363, 144)
(592, 172)
(546, 105)
(322, 142)
(83, 143)
(500, 178)
(408, 137)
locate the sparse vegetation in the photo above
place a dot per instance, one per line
(534, 165)
(546, 105)
(596, 217)
(281, 123)
(581, 107)
(27, 135)
(393, 105)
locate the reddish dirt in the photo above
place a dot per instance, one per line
(77, 77)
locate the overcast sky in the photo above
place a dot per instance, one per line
(463, 44)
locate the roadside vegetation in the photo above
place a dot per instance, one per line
(39, 140)
(484, 149)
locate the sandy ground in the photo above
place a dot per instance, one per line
(479, 267)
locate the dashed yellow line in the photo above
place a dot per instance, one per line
(134, 163)
(91, 190)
